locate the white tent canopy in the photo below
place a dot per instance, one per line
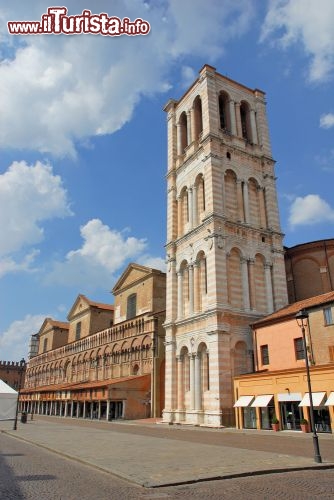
(8, 400)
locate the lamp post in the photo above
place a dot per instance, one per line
(22, 365)
(301, 318)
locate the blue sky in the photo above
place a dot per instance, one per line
(83, 138)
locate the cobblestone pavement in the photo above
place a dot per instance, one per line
(159, 455)
(28, 472)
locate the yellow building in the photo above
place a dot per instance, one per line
(279, 385)
(108, 361)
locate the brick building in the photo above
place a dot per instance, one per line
(11, 372)
(107, 362)
(224, 244)
(309, 269)
(279, 384)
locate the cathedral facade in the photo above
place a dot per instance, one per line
(225, 257)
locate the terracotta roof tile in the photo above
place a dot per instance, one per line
(83, 385)
(100, 305)
(59, 324)
(292, 309)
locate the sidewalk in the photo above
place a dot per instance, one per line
(160, 455)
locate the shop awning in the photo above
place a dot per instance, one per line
(262, 401)
(317, 398)
(289, 396)
(243, 401)
(330, 400)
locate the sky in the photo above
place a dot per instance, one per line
(83, 152)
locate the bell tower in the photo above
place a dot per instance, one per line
(224, 244)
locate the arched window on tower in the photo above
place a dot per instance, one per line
(224, 112)
(245, 121)
(198, 118)
(199, 199)
(185, 373)
(184, 131)
(200, 282)
(184, 211)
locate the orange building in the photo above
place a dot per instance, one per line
(107, 362)
(279, 385)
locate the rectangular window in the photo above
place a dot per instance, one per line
(78, 331)
(328, 316)
(131, 306)
(45, 345)
(264, 354)
(331, 352)
(299, 348)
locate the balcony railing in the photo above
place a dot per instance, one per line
(125, 330)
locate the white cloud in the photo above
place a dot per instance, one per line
(29, 195)
(106, 246)
(9, 265)
(190, 21)
(327, 121)
(103, 253)
(153, 262)
(310, 23)
(14, 342)
(326, 160)
(188, 75)
(311, 209)
(57, 90)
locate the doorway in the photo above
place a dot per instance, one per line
(291, 415)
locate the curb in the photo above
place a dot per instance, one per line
(152, 485)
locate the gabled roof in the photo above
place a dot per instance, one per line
(142, 272)
(90, 303)
(291, 310)
(55, 324)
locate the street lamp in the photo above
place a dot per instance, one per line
(301, 318)
(22, 365)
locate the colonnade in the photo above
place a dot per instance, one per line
(192, 373)
(243, 200)
(189, 126)
(119, 362)
(102, 409)
(237, 118)
(249, 284)
(249, 289)
(193, 290)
